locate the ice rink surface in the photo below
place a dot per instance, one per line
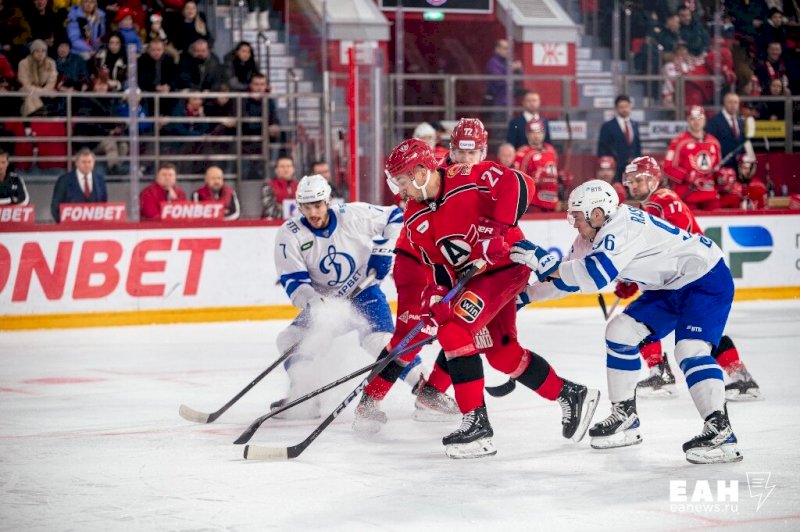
(90, 439)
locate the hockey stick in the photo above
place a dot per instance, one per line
(254, 426)
(254, 452)
(190, 414)
(602, 301)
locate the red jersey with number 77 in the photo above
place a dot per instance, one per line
(475, 203)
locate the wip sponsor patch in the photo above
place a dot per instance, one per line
(469, 306)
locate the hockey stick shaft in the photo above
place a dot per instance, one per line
(283, 453)
(602, 301)
(255, 425)
(613, 308)
(190, 414)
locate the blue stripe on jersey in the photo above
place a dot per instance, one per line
(564, 287)
(292, 281)
(625, 364)
(594, 272)
(607, 265)
(396, 216)
(703, 374)
(622, 349)
(692, 362)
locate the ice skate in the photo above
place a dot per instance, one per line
(578, 404)
(620, 429)
(742, 387)
(716, 444)
(660, 383)
(369, 418)
(473, 439)
(432, 405)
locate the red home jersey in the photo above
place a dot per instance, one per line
(542, 165)
(686, 153)
(474, 203)
(666, 204)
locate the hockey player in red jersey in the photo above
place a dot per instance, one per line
(643, 178)
(754, 190)
(468, 144)
(459, 215)
(690, 163)
(606, 170)
(539, 160)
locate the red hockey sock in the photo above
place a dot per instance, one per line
(729, 360)
(378, 388)
(551, 387)
(469, 395)
(439, 378)
(652, 354)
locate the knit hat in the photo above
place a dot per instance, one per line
(38, 44)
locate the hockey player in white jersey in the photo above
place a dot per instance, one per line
(686, 288)
(325, 253)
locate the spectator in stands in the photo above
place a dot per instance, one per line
(498, 66)
(12, 186)
(774, 110)
(223, 108)
(606, 171)
(774, 67)
(727, 127)
(748, 17)
(157, 32)
(771, 31)
(89, 108)
(16, 32)
(199, 69)
(73, 72)
(692, 32)
(661, 41)
(128, 30)
(82, 185)
(192, 108)
(278, 189)
(253, 112)
(750, 87)
(131, 104)
(322, 168)
(156, 72)
(186, 27)
(676, 65)
(619, 137)
(240, 65)
(111, 63)
(506, 154)
(517, 127)
(45, 23)
(215, 189)
(9, 105)
(86, 27)
(37, 73)
(257, 16)
(165, 188)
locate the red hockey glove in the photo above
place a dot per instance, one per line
(625, 290)
(700, 181)
(488, 241)
(434, 311)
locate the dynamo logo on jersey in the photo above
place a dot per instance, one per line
(340, 265)
(755, 240)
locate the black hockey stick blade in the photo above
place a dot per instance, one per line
(503, 389)
(190, 414)
(253, 452)
(602, 301)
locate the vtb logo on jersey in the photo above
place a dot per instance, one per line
(469, 306)
(701, 161)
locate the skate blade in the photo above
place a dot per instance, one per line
(665, 392)
(625, 438)
(426, 415)
(753, 394)
(476, 449)
(725, 453)
(587, 412)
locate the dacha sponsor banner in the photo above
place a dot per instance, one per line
(92, 212)
(17, 214)
(192, 210)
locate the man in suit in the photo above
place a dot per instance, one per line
(518, 126)
(82, 185)
(728, 127)
(619, 137)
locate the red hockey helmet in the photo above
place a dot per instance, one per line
(696, 111)
(746, 166)
(606, 162)
(469, 134)
(535, 126)
(726, 178)
(641, 166)
(404, 159)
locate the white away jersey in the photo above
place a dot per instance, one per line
(332, 260)
(633, 246)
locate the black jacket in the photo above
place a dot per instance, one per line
(12, 190)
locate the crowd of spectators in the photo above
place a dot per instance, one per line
(759, 43)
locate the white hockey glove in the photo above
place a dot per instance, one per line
(537, 259)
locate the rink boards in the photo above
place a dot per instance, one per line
(137, 274)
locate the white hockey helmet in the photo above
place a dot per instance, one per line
(592, 195)
(313, 188)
